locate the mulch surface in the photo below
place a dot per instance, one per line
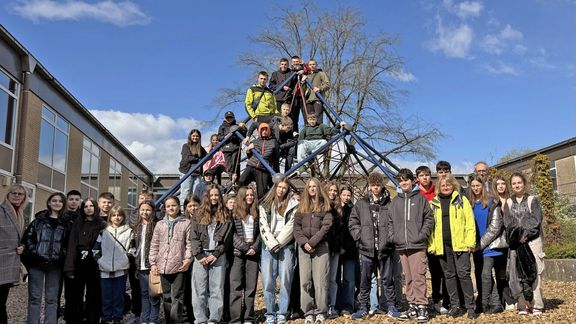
(559, 299)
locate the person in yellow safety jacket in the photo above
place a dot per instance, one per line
(453, 239)
(260, 100)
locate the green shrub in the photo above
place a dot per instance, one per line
(561, 251)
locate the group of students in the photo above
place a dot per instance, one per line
(330, 257)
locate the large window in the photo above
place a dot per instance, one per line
(53, 150)
(8, 107)
(90, 169)
(115, 181)
(133, 192)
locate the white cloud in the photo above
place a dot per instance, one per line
(464, 9)
(119, 13)
(540, 61)
(452, 41)
(499, 42)
(156, 140)
(404, 76)
(501, 68)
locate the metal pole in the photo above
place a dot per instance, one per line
(318, 151)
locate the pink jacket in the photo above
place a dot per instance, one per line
(169, 253)
(217, 159)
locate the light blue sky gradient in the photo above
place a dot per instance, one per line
(493, 76)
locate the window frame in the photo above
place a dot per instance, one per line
(91, 154)
(55, 128)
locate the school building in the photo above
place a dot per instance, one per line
(50, 142)
(562, 166)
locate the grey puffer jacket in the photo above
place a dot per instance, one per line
(168, 252)
(361, 226)
(411, 220)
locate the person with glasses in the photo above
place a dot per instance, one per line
(11, 229)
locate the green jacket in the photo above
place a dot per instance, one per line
(318, 79)
(264, 98)
(462, 225)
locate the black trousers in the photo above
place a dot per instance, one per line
(289, 154)
(262, 177)
(294, 305)
(478, 258)
(232, 163)
(316, 108)
(135, 291)
(243, 281)
(384, 266)
(86, 283)
(173, 296)
(4, 291)
(456, 267)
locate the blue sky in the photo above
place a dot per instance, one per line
(492, 75)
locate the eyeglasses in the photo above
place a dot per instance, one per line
(15, 193)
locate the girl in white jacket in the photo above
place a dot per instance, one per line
(111, 252)
(278, 253)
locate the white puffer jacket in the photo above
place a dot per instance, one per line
(113, 245)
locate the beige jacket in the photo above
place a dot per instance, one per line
(169, 253)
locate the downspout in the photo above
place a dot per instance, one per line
(28, 66)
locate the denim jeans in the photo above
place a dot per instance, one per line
(113, 298)
(150, 305)
(188, 186)
(306, 147)
(208, 290)
(332, 284)
(43, 280)
(368, 267)
(346, 285)
(273, 265)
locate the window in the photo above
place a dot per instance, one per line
(90, 169)
(133, 192)
(115, 182)
(8, 112)
(553, 175)
(53, 150)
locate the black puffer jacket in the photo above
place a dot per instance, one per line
(362, 228)
(267, 147)
(411, 221)
(348, 244)
(44, 244)
(201, 240)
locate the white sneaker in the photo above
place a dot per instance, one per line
(320, 318)
(510, 307)
(309, 319)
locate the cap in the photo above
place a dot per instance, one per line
(229, 114)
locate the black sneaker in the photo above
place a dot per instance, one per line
(360, 314)
(494, 309)
(456, 312)
(472, 314)
(409, 314)
(422, 314)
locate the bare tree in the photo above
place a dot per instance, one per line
(361, 68)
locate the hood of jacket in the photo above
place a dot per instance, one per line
(261, 128)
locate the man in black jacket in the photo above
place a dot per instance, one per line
(232, 147)
(369, 228)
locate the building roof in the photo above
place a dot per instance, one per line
(15, 44)
(545, 150)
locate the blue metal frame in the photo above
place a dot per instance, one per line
(315, 153)
(369, 150)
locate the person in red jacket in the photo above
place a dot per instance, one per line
(425, 183)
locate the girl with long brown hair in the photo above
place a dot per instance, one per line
(334, 243)
(278, 255)
(312, 223)
(211, 228)
(244, 268)
(192, 152)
